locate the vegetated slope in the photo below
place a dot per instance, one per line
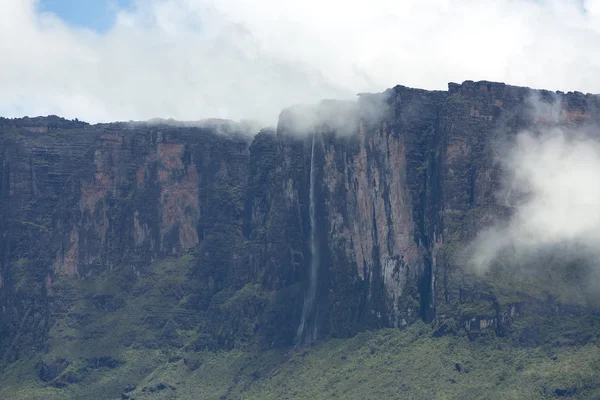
(175, 257)
(388, 363)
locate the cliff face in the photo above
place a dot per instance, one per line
(151, 235)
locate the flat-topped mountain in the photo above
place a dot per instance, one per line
(134, 239)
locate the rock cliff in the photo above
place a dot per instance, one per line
(205, 235)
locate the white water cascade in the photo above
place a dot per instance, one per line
(309, 298)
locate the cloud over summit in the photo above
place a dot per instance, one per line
(192, 59)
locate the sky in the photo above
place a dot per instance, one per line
(190, 59)
(99, 15)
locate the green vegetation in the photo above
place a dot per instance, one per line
(541, 281)
(386, 364)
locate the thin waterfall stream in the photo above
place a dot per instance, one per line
(309, 298)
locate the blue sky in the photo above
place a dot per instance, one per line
(95, 14)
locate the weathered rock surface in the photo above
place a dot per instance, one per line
(403, 179)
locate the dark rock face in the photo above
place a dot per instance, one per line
(402, 179)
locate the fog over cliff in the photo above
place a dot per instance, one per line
(551, 180)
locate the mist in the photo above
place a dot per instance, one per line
(552, 183)
(234, 59)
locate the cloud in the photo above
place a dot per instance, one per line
(552, 178)
(192, 59)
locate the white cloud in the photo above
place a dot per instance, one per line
(191, 59)
(555, 174)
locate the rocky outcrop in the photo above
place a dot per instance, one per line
(401, 179)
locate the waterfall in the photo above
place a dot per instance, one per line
(309, 298)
